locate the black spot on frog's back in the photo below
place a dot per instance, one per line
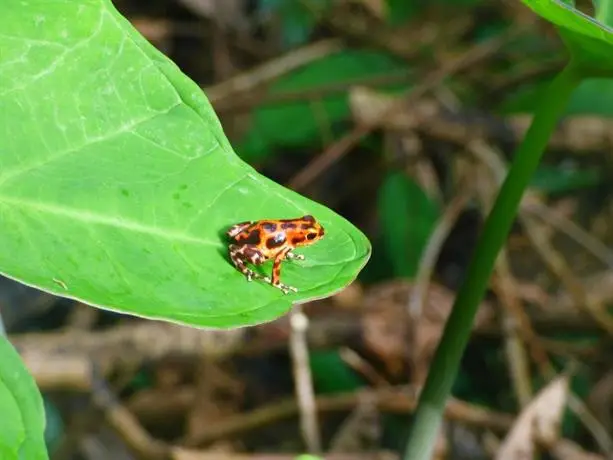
(297, 240)
(275, 241)
(288, 225)
(269, 226)
(253, 237)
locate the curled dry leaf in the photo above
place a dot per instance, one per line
(600, 400)
(568, 450)
(578, 134)
(538, 424)
(361, 431)
(396, 340)
(349, 298)
(385, 325)
(368, 105)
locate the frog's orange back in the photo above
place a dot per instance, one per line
(302, 231)
(297, 232)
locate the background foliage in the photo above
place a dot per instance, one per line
(397, 183)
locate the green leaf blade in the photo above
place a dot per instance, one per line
(407, 217)
(117, 182)
(22, 424)
(589, 41)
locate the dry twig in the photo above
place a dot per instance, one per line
(303, 380)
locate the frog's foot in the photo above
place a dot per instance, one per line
(292, 256)
(251, 275)
(285, 288)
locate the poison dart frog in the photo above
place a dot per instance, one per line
(262, 240)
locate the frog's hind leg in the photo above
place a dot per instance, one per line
(241, 254)
(237, 228)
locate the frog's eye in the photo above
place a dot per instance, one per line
(311, 236)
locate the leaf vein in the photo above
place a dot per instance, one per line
(93, 218)
(16, 172)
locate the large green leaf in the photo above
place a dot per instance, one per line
(117, 182)
(22, 419)
(589, 41)
(407, 216)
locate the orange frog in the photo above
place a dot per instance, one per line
(262, 240)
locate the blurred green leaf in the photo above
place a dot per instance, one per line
(297, 18)
(593, 96)
(54, 425)
(554, 180)
(117, 182)
(401, 11)
(407, 217)
(379, 267)
(589, 41)
(604, 11)
(300, 123)
(331, 374)
(22, 418)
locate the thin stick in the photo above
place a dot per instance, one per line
(271, 69)
(396, 400)
(417, 297)
(514, 320)
(303, 380)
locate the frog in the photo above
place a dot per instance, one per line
(258, 241)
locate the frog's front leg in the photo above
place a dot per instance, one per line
(276, 274)
(247, 253)
(291, 256)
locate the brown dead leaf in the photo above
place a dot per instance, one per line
(349, 298)
(576, 134)
(538, 424)
(600, 400)
(376, 7)
(361, 431)
(368, 105)
(157, 31)
(398, 342)
(219, 395)
(568, 450)
(228, 14)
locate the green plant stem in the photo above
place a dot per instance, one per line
(604, 12)
(446, 361)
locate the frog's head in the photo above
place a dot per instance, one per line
(313, 230)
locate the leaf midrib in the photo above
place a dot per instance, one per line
(88, 217)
